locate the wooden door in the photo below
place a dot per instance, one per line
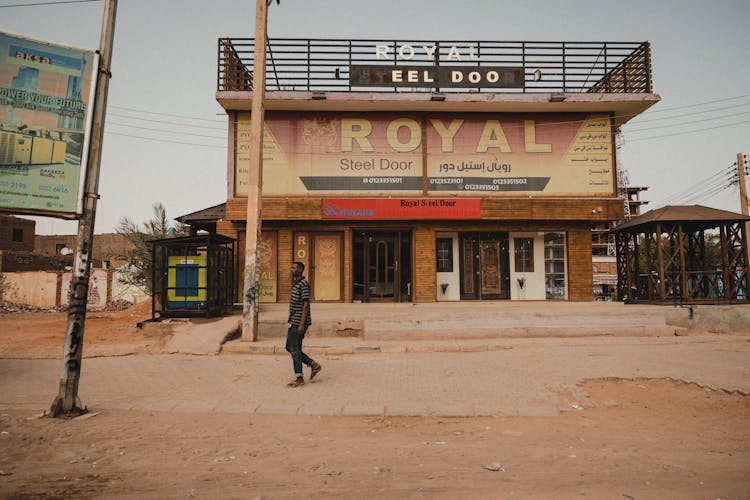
(489, 257)
(470, 277)
(484, 266)
(326, 272)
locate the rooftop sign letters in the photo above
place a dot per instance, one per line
(370, 75)
(430, 72)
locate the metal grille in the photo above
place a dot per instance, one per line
(296, 64)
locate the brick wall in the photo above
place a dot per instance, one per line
(17, 234)
(27, 261)
(110, 247)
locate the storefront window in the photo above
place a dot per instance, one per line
(554, 265)
(444, 253)
(524, 255)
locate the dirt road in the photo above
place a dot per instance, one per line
(638, 438)
(644, 439)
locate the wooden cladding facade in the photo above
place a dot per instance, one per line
(424, 264)
(580, 267)
(289, 216)
(594, 210)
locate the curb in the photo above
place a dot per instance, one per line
(249, 348)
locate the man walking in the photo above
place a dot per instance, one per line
(299, 321)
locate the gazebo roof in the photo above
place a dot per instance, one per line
(681, 213)
(211, 214)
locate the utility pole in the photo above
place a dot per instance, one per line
(743, 200)
(67, 402)
(253, 224)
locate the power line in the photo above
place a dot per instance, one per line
(224, 138)
(690, 114)
(702, 189)
(699, 194)
(46, 3)
(709, 194)
(539, 125)
(649, 112)
(696, 187)
(688, 131)
(164, 114)
(324, 153)
(697, 190)
(164, 121)
(689, 122)
(187, 117)
(166, 140)
(167, 131)
(135, 110)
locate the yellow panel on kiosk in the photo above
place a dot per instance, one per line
(186, 280)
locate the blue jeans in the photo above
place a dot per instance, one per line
(294, 347)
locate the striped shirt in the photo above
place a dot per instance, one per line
(300, 295)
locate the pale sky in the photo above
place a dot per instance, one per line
(165, 63)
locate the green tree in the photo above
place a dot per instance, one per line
(140, 262)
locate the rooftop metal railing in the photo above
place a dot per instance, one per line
(298, 64)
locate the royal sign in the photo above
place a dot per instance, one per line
(401, 208)
(370, 75)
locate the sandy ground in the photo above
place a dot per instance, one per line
(36, 335)
(641, 439)
(644, 439)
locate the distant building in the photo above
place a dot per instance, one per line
(109, 249)
(17, 240)
(16, 234)
(603, 258)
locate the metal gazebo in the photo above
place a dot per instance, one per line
(666, 256)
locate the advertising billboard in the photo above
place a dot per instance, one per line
(488, 154)
(46, 107)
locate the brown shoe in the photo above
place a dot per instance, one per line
(315, 370)
(296, 382)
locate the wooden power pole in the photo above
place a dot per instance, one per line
(743, 200)
(253, 225)
(67, 402)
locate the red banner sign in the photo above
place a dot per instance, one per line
(401, 208)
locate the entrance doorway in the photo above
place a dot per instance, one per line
(382, 266)
(484, 268)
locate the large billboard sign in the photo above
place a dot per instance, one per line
(538, 154)
(46, 106)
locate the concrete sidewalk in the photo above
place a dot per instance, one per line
(520, 377)
(447, 327)
(481, 326)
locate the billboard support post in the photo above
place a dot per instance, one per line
(67, 403)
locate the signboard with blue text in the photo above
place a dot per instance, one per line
(46, 109)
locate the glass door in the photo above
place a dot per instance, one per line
(382, 268)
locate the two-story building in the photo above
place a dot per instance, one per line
(422, 171)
